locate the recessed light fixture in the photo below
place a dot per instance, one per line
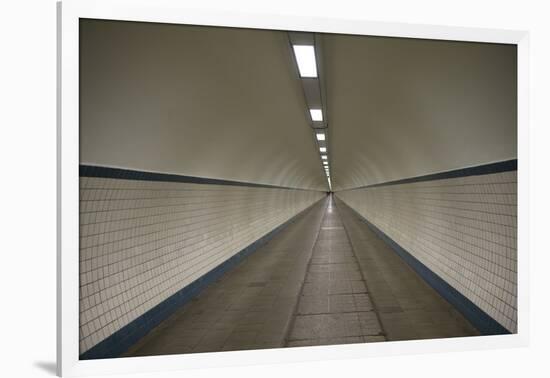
(323, 149)
(305, 57)
(316, 114)
(326, 164)
(324, 157)
(320, 136)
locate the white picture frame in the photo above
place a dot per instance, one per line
(174, 11)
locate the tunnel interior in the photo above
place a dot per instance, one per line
(251, 189)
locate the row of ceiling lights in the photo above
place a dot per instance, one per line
(306, 61)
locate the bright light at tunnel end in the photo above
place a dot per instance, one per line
(305, 57)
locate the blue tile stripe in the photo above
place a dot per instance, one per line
(482, 321)
(120, 341)
(485, 169)
(129, 174)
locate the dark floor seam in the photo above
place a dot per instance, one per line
(295, 311)
(374, 306)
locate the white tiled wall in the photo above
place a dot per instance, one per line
(463, 229)
(142, 241)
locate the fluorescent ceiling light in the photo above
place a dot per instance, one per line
(320, 136)
(325, 163)
(305, 57)
(316, 114)
(323, 149)
(324, 157)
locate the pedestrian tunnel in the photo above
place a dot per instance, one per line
(252, 189)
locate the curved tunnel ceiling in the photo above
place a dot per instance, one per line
(401, 108)
(226, 103)
(198, 101)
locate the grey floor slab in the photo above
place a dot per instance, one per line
(325, 279)
(334, 305)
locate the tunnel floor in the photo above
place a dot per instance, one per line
(324, 279)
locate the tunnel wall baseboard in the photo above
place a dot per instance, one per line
(147, 246)
(458, 232)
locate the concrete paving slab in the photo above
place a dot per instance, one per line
(325, 279)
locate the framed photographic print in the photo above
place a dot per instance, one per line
(240, 189)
